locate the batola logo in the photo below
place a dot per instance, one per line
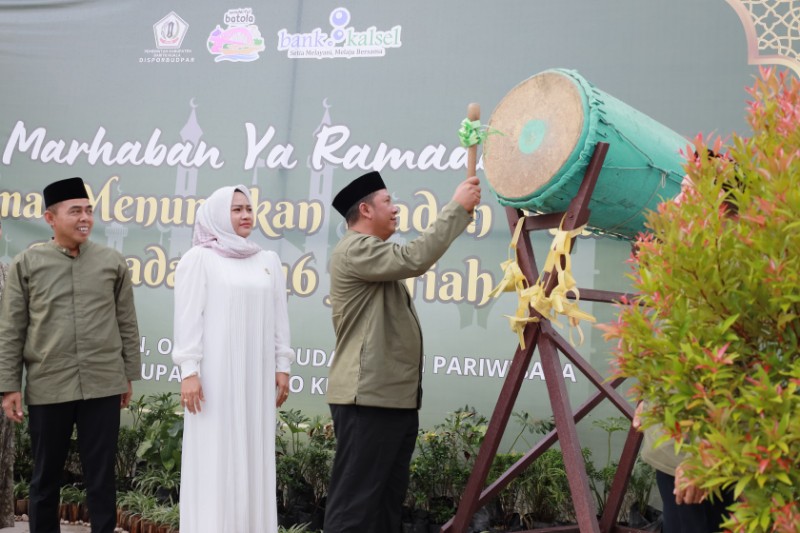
(240, 41)
(341, 40)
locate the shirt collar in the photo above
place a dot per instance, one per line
(81, 248)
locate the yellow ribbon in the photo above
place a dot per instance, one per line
(534, 296)
(514, 280)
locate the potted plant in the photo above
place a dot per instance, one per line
(71, 500)
(640, 514)
(163, 432)
(159, 482)
(545, 498)
(297, 528)
(135, 504)
(441, 468)
(302, 462)
(712, 335)
(21, 494)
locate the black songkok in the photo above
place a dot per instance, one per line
(67, 189)
(356, 190)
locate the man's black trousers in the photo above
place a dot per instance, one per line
(704, 517)
(370, 474)
(51, 426)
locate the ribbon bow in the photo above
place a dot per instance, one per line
(472, 132)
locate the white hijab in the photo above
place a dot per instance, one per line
(213, 228)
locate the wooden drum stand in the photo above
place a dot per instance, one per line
(542, 335)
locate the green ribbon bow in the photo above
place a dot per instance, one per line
(472, 133)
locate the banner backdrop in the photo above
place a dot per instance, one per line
(149, 103)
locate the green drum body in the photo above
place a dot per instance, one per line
(548, 127)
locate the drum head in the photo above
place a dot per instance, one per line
(541, 121)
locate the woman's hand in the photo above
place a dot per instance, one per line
(192, 394)
(685, 490)
(637, 416)
(281, 387)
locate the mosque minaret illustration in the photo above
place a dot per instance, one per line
(115, 235)
(320, 188)
(180, 239)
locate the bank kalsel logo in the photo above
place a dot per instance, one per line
(341, 41)
(169, 33)
(240, 41)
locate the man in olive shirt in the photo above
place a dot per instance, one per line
(67, 316)
(374, 384)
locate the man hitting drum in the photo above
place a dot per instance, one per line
(374, 386)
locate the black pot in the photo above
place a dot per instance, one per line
(419, 521)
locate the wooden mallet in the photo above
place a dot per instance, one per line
(473, 113)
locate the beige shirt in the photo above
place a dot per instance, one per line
(378, 360)
(71, 322)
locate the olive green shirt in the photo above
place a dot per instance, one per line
(378, 359)
(71, 322)
(3, 276)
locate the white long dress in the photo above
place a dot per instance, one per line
(231, 325)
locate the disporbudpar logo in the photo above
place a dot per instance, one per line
(240, 41)
(170, 31)
(342, 40)
(169, 34)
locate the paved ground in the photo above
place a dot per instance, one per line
(22, 527)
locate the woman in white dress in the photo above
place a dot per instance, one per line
(232, 345)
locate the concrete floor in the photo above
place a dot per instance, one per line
(22, 527)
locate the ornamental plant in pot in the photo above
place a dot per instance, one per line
(21, 493)
(439, 472)
(298, 440)
(72, 498)
(712, 334)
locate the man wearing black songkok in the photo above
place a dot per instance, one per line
(374, 384)
(67, 317)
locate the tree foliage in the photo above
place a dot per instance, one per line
(712, 334)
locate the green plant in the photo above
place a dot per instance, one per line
(22, 490)
(712, 335)
(544, 494)
(297, 528)
(128, 442)
(528, 424)
(508, 498)
(163, 515)
(155, 482)
(131, 436)
(163, 432)
(72, 494)
(136, 502)
(172, 516)
(604, 476)
(23, 453)
(444, 460)
(640, 486)
(288, 479)
(73, 470)
(295, 422)
(303, 460)
(317, 457)
(511, 497)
